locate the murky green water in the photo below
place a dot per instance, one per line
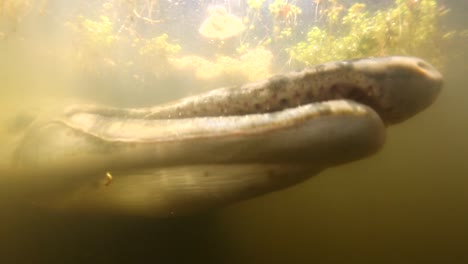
(407, 204)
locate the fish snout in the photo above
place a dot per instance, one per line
(409, 86)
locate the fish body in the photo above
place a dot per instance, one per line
(227, 145)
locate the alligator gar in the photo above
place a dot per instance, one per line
(226, 145)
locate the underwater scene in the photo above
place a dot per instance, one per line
(233, 131)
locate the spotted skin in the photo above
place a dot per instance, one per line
(370, 81)
(226, 145)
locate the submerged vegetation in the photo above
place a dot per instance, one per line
(409, 27)
(135, 40)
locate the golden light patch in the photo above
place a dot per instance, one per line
(220, 25)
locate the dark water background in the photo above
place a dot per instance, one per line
(407, 204)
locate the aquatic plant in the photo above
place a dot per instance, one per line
(153, 56)
(98, 32)
(133, 39)
(253, 19)
(409, 27)
(95, 41)
(109, 46)
(274, 30)
(255, 4)
(159, 46)
(284, 18)
(284, 11)
(255, 64)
